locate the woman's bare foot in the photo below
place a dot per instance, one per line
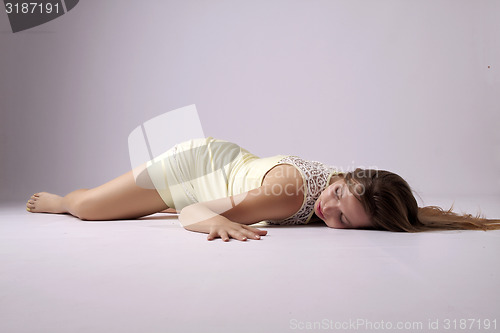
(44, 202)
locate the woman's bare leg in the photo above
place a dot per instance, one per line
(120, 198)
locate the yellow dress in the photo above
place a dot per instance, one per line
(206, 169)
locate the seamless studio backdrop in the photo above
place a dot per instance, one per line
(408, 86)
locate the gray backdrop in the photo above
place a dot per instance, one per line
(408, 86)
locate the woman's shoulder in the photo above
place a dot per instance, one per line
(285, 179)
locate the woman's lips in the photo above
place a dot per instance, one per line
(320, 213)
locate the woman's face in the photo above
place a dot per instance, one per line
(340, 209)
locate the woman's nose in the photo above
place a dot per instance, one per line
(331, 207)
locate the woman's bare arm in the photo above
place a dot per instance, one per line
(230, 217)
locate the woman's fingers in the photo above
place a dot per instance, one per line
(251, 233)
(212, 235)
(223, 235)
(243, 233)
(237, 231)
(256, 231)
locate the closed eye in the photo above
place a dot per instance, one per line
(337, 194)
(340, 218)
(341, 195)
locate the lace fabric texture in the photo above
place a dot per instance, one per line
(316, 176)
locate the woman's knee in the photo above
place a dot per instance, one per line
(87, 208)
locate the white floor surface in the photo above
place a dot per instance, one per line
(62, 275)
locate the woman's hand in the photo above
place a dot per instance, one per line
(199, 218)
(225, 229)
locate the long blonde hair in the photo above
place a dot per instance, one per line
(389, 200)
